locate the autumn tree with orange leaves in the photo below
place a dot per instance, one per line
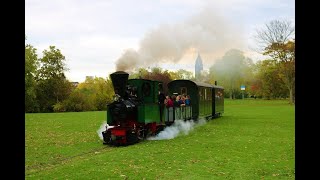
(278, 42)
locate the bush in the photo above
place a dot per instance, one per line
(59, 107)
(78, 101)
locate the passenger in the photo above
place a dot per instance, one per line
(182, 100)
(175, 100)
(168, 102)
(177, 109)
(187, 101)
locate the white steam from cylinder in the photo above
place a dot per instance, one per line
(179, 127)
(104, 126)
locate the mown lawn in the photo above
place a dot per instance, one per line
(255, 139)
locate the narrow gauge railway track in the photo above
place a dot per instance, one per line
(56, 162)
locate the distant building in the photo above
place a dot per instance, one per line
(75, 84)
(89, 77)
(198, 67)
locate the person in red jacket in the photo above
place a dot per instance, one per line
(168, 102)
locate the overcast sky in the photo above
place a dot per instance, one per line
(94, 34)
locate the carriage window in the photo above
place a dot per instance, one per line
(202, 93)
(205, 93)
(220, 94)
(184, 91)
(146, 89)
(209, 94)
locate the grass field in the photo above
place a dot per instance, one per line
(255, 139)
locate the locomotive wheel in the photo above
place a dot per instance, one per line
(132, 138)
(159, 129)
(106, 137)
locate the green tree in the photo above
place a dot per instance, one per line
(139, 73)
(284, 55)
(269, 81)
(76, 102)
(31, 65)
(97, 92)
(103, 93)
(183, 74)
(53, 87)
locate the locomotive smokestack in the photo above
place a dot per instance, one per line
(215, 82)
(119, 80)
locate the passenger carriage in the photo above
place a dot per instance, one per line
(206, 101)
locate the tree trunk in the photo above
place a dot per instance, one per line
(289, 80)
(291, 97)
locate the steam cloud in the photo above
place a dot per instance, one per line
(177, 128)
(206, 32)
(102, 128)
(170, 132)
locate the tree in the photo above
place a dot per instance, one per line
(269, 81)
(183, 74)
(284, 54)
(275, 31)
(231, 71)
(97, 92)
(76, 102)
(31, 65)
(52, 85)
(52, 64)
(103, 93)
(277, 41)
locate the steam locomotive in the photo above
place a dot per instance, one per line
(135, 114)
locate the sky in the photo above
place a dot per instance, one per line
(96, 35)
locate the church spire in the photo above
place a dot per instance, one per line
(198, 66)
